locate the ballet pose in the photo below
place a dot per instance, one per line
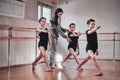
(73, 44)
(55, 30)
(43, 42)
(92, 46)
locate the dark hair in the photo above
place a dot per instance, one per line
(41, 19)
(90, 20)
(71, 24)
(55, 18)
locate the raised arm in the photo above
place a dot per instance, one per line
(94, 29)
(75, 35)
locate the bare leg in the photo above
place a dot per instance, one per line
(98, 67)
(45, 58)
(75, 55)
(66, 58)
(83, 62)
(36, 60)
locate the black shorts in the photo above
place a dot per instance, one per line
(91, 47)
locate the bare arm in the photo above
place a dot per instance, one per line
(75, 35)
(78, 48)
(41, 30)
(49, 40)
(93, 30)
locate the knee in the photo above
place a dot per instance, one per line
(94, 59)
(44, 56)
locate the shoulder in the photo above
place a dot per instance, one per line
(87, 31)
(70, 33)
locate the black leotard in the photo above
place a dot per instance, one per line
(43, 39)
(74, 41)
(92, 43)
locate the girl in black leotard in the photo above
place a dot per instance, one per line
(73, 44)
(43, 42)
(92, 45)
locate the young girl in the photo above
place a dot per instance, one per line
(92, 45)
(44, 39)
(73, 44)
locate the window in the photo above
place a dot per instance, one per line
(44, 11)
(12, 8)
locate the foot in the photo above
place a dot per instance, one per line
(79, 69)
(49, 70)
(63, 65)
(33, 66)
(52, 66)
(99, 74)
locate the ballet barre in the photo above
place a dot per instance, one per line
(10, 37)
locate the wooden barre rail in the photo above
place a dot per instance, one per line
(7, 27)
(99, 40)
(33, 38)
(104, 33)
(4, 37)
(4, 27)
(34, 29)
(23, 29)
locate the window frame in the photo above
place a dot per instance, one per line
(43, 5)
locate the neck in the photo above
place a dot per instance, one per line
(72, 31)
(42, 25)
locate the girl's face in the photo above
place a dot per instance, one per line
(59, 14)
(72, 27)
(91, 25)
(43, 22)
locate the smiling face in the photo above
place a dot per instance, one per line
(91, 24)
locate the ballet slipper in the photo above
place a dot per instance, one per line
(99, 74)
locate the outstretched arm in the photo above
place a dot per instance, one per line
(93, 30)
(75, 35)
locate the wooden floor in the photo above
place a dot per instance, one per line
(111, 72)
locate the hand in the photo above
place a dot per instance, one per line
(45, 31)
(98, 27)
(78, 52)
(67, 30)
(49, 48)
(97, 53)
(79, 33)
(68, 39)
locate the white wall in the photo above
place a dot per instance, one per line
(22, 51)
(105, 12)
